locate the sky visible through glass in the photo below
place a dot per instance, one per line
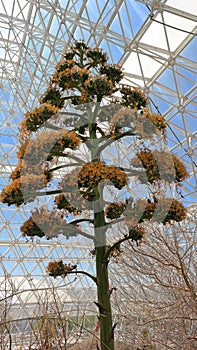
(156, 47)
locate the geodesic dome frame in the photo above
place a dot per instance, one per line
(155, 43)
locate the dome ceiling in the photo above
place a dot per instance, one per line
(154, 41)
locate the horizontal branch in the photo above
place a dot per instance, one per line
(71, 114)
(63, 166)
(74, 222)
(53, 127)
(71, 156)
(41, 194)
(114, 221)
(83, 138)
(113, 138)
(82, 273)
(115, 245)
(70, 97)
(77, 231)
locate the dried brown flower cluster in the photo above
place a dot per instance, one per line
(30, 229)
(136, 233)
(22, 149)
(158, 165)
(177, 211)
(53, 97)
(68, 75)
(12, 194)
(133, 97)
(93, 173)
(44, 222)
(123, 118)
(58, 268)
(47, 145)
(163, 210)
(69, 181)
(23, 189)
(24, 134)
(16, 173)
(157, 119)
(65, 203)
(143, 124)
(115, 210)
(143, 210)
(34, 119)
(23, 168)
(181, 172)
(115, 252)
(76, 73)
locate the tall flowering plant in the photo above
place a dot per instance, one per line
(75, 147)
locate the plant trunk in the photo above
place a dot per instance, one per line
(103, 290)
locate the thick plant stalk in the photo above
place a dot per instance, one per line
(103, 290)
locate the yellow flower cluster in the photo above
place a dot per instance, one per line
(67, 139)
(98, 78)
(76, 72)
(69, 75)
(42, 109)
(94, 172)
(99, 86)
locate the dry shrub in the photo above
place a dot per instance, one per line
(90, 344)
